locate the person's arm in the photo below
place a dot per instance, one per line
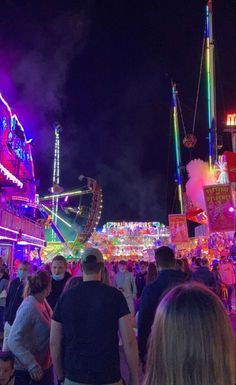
(130, 347)
(56, 348)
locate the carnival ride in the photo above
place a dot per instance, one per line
(219, 169)
(69, 217)
(25, 219)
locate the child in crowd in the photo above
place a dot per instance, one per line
(7, 368)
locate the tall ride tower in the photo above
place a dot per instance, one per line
(56, 189)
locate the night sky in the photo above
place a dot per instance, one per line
(104, 70)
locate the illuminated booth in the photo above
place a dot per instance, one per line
(19, 231)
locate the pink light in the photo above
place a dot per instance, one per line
(6, 104)
(66, 199)
(10, 176)
(231, 209)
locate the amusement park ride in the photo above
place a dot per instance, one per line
(25, 218)
(222, 169)
(29, 222)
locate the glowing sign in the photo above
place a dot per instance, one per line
(231, 120)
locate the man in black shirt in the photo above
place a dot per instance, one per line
(85, 327)
(59, 279)
(152, 294)
(14, 299)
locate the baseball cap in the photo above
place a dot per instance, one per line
(92, 251)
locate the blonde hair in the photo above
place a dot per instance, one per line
(37, 283)
(192, 341)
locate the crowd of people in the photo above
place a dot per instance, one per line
(65, 323)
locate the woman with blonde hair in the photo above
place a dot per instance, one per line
(30, 332)
(192, 342)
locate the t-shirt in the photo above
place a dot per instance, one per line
(89, 314)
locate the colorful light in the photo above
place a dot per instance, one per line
(56, 215)
(177, 148)
(210, 80)
(10, 176)
(231, 209)
(231, 120)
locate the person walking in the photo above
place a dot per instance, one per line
(227, 276)
(125, 282)
(29, 335)
(167, 278)
(85, 326)
(14, 299)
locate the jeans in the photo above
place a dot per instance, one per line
(2, 314)
(230, 292)
(22, 377)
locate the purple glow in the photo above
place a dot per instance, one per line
(231, 209)
(66, 199)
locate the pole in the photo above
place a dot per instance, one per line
(211, 92)
(177, 148)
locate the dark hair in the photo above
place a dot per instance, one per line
(165, 257)
(151, 273)
(7, 356)
(204, 261)
(123, 262)
(25, 263)
(91, 266)
(59, 258)
(198, 261)
(37, 283)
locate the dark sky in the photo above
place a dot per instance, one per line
(103, 69)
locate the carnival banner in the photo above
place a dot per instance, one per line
(220, 208)
(178, 228)
(231, 165)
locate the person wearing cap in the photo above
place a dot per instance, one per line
(84, 331)
(3, 295)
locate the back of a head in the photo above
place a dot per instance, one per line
(151, 273)
(92, 261)
(37, 283)
(204, 262)
(165, 257)
(192, 341)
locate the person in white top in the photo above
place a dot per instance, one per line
(227, 276)
(125, 282)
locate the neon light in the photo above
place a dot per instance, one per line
(78, 192)
(10, 176)
(210, 80)
(61, 219)
(231, 209)
(23, 234)
(177, 148)
(231, 120)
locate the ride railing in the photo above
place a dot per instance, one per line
(22, 225)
